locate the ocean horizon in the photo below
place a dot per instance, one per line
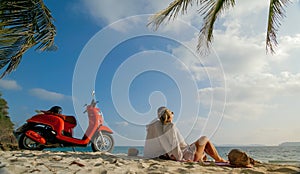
(266, 154)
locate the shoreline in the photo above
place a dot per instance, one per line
(15, 162)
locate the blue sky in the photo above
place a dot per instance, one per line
(236, 95)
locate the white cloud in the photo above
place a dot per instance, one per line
(113, 10)
(239, 54)
(248, 8)
(287, 55)
(110, 11)
(46, 95)
(249, 97)
(10, 85)
(123, 123)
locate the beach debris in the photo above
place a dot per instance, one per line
(57, 158)
(98, 164)
(2, 165)
(143, 165)
(182, 170)
(13, 159)
(77, 163)
(133, 152)
(154, 166)
(35, 170)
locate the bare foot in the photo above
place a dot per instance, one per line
(221, 160)
(204, 157)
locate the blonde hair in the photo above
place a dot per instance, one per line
(165, 117)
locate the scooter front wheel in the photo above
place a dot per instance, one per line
(103, 142)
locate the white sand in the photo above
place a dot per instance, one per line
(15, 162)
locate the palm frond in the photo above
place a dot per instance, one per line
(210, 9)
(276, 14)
(170, 12)
(23, 24)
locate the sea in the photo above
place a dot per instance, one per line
(266, 154)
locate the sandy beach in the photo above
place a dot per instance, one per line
(15, 162)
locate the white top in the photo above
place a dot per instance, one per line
(162, 139)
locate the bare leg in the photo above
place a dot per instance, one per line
(204, 145)
(199, 151)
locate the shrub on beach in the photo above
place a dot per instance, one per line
(7, 139)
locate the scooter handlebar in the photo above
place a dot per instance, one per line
(92, 104)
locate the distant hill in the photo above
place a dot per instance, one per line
(240, 145)
(290, 144)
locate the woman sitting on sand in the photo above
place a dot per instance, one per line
(164, 140)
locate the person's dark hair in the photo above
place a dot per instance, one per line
(56, 109)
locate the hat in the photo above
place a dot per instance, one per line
(161, 111)
(239, 158)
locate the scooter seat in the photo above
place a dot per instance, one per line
(70, 119)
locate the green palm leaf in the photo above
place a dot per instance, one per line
(23, 24)
(211, 9)
(276, 13)
(171, 12)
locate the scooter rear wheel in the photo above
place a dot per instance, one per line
(105, 145)
(28, 144)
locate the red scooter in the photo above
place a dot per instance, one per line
(51, 129)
